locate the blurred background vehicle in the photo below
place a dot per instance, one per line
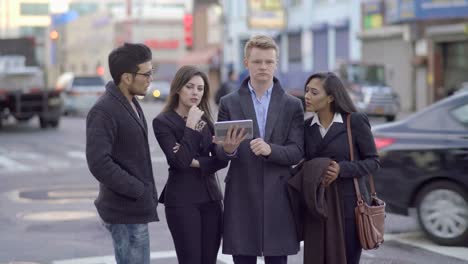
(366, 84)
(79, 92)
(425, 165)
(368, 88)
(23, 91)
(158, 90)
(463, 88)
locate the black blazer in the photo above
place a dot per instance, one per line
(335, 146)
(186, 185)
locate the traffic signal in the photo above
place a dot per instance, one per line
(100, 70)
(54, 35)
(188, 33)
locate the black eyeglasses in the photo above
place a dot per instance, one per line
(146, 74)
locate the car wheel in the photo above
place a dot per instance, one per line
(443, 213)
(54, 123)
(23, 118)
(390, 118)
(43, 123)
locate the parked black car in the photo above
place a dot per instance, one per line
(425, 165)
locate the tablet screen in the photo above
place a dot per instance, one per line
(221, 128)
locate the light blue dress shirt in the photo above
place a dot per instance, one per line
(261, 107)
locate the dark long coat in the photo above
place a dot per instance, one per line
(335, 146)
(318, 214)
(257, 218)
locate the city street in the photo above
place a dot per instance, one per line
(47, 213)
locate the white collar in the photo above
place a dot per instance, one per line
(337, 118)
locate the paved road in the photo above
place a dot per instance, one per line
(47, 215)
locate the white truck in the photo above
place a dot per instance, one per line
(23, 92)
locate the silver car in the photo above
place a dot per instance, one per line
(80, 92)
(366, 84)
(377, 101)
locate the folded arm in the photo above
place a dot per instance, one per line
(188, 144)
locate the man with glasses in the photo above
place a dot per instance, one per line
(118, 155)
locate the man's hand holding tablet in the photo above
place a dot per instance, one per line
(230, 134)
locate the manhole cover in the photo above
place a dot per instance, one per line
(58, 215)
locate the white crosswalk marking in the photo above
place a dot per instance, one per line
(227, 259)
(9, 165)
(26, 161)
(77, 154)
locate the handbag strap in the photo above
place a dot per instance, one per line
(351, 154)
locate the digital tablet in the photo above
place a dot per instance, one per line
(221, 128)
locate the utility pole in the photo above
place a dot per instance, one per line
(128, 22)
(129, 9)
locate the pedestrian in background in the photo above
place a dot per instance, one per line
(192, 197)
(326, 136)
(228, 86)
(118, 155)
(258, 219)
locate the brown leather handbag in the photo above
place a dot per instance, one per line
(370, 218)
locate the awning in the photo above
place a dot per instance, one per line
(208, 56)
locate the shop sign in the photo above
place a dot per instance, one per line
(266, 14)
(372, 14)
(413, 10)
(162, 44)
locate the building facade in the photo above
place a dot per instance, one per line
(312, 35)
(89, 30)
(26, 18)
(431, 40)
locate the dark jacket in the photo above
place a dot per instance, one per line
(186, 185)
(257, 216)
(318, 214)
(335, 146)
(118, 156)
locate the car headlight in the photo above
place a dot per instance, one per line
(156, 93)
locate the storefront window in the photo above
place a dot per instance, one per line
(37, 32)
(84, 8)
(31, 9)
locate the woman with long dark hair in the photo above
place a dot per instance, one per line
(326, 136)
(191, 197)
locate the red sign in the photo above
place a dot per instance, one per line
(162, 44)
(188, 23)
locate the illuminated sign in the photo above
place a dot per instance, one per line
(188, 33)
(372, 14)
(411, 10)
(162, 44)
(266, 14)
